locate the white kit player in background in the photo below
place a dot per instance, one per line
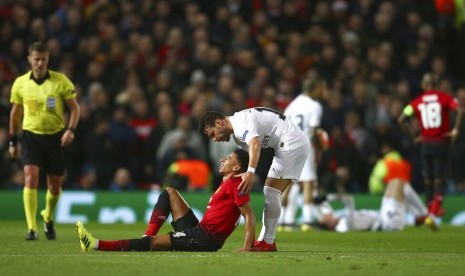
(305, 112)
(257, 128)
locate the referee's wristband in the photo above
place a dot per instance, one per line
(250, 169)
(71, 129)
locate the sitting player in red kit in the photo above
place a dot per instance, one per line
(219, 221)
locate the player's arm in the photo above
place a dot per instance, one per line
(249, 216)
(375, 183)
(455, 131)
(249, 175)
(315, 139)
(349, 206)
(73, 107)
(403, 121)
(16, 115)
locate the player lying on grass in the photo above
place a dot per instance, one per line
(219, 221)
(396, 200)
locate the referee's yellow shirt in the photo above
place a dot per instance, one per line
(43, 104)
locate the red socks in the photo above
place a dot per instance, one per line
(120, 245)
(156, 221)
(434, 206)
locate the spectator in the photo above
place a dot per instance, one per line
(123, 137)
(122, 181)
(183, 139)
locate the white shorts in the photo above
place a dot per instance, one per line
(392, 215)
(309, 169)
(289, 159)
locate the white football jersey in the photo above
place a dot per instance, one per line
(305, 113)
(271, 126)
(359, 220)
(351, 219)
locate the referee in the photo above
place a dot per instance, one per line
(38, 99)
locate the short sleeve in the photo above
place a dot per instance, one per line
(16, 97)
(408, 110)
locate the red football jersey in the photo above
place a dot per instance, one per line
(222, 214)
(432, 111)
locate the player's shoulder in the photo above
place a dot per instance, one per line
(24, 77)
(57, 75)
(299, 101)
(242, 113)
(232, 182)
(235, 180)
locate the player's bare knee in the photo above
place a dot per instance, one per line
(172, 191)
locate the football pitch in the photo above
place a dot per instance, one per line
(415, 251)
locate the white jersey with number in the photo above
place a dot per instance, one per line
(306, 114)
(275, 131)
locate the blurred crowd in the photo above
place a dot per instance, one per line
(145, 71)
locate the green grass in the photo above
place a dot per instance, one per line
(414, 251)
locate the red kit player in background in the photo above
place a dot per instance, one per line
(432, 109)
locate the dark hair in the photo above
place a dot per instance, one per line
(38, 46)
(311, 83)
(243, 158)
(431, 80)
(208, 120)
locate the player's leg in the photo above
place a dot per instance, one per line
(54, 161)
(158, 243)
(273, 190)
(31, 157)
(308, 206)
(52, 196)
(392, 210)
(414, 204)
(284, 200)
(287, 165)
(427, 172)
(395, 189)
(289, 213)
(308, 178)
(438, 168)
(31, 182)
(88, 242)
(169, 201)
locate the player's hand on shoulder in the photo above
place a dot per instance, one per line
(247, 181)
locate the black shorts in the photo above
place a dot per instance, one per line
(434, 157)
(189, 236)
(44, 151)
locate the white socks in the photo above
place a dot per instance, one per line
(413, 201)
(308, 211)
(291, 208)
(271, 214)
